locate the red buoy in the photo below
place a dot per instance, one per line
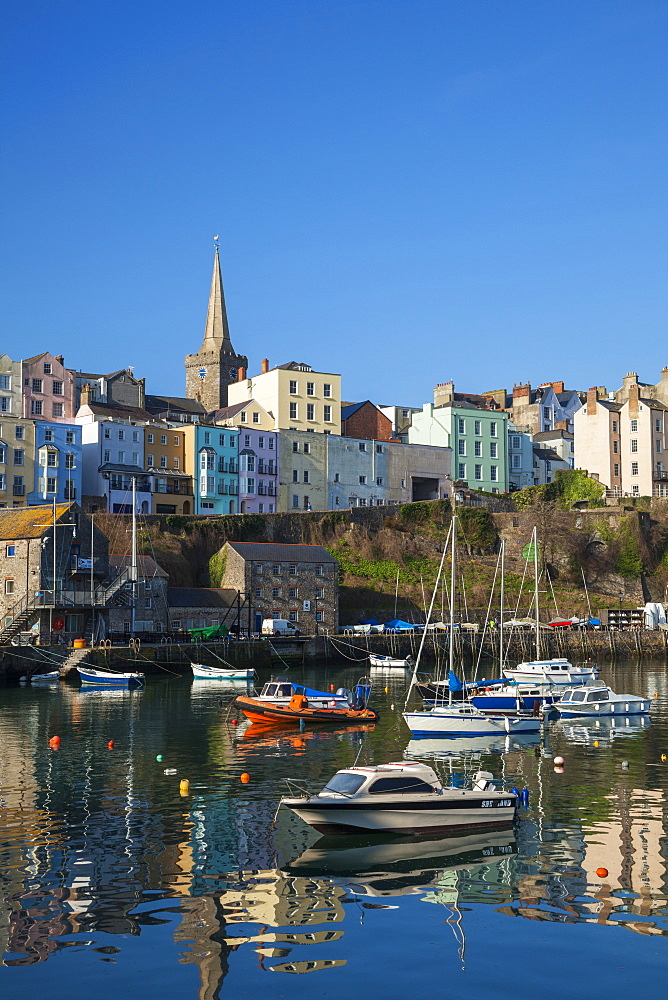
(602, 872)
(110, 745)
(235, 722)
(244, 778)
(54, 742)
(331, 687)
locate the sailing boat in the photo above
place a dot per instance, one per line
(557, 670)
(462, 718)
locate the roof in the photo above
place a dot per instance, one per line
(161, 403)
(350, 408)
(268, 551)
(551, 435)
(227, 412)
(29, 522)
(548, 454)
(146, 565)
(119, 410)
(200, 597)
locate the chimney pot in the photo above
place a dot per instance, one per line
(241, 377)
(265, 365)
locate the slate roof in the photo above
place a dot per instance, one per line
(159, 404)
(350, 408)
(274, 551)
(551, 435)
(200, 597)
(146, 565)
(29, 522)
(119, 410)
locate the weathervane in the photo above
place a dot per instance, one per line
(216, 242)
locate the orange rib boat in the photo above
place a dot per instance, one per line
(298, 709)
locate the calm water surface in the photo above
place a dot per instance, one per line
(113, 880)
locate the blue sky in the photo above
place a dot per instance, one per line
(406, 192)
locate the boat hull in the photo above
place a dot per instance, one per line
(437, 723)
(51, 678)
(389, 662)
(427, 817)
(99, 678)
(557, 671)
(204, 673)
(266, 712)
(630, 706)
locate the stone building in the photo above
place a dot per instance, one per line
(152, 606)
(199, 607)
(54, 567)
(216, 364)
(297, 582)
(118, 387)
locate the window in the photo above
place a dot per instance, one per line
(310, 411)
(494, 473)
(121, 456)
(295, 445)
(48, 435)
(246, 440)
(258, 591)
(9, 586)
(293, 387)
(319, 592)
(379, 480)
(56, 409)
(207, 437)
(149, 439)
(517, 461)
(310, 388)
(493, 450)
(306, 476)
(177, 462)
(461, 427)
(47, 368)
(614, 426)
(318, 570)
(492, 429)
(327, 413)
(260, 442)
(295, 501)
(634, 426)
(616, 468)
(658, 444)
(163, 439)
(461, 447)
(5, 382)
(20, 433)
(293, 411)
(36, 407)
(37, 385)
(19, 455)
(362, 446)
(362, 480)
(292, 569)
(121, 436)
(477, 448)
(52, 459)
(275, 592)
(515, 442)
(318, 616)
(657, 423)
(149, 460)
(379, 449)
(295, 475)
(259, 568)
(461, 472)
(135, 458)
(57, 388)
(5, 404)
(163, 461)
(256, 417)
(292, 616)
(336, 477)
(276, 569)
(221, 440)
(635, 490)
(307, 448)
(477, 427)
(478, 472)
(292, 592)
(634, 468)
(135, 435)
(327, 390)
(148, 603)
(271, 444)
(615, 447)
(2, 455)
(106, 456)
(634, 444)
(546, 412)
(10, 551)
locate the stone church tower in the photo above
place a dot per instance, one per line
(215, 366)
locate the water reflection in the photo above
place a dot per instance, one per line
(99, 846)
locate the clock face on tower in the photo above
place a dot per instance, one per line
(202, 372)
(233, 373)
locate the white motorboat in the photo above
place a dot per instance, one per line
(401, 797)
(391, 662)
(465, 719)
(599, 700)
(202, 672)
(558, 670)
(93, 677)
(52, 677)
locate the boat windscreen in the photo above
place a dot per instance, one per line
(344, 783)
(400, 784)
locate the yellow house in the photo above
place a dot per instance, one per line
(294, 396)
(166, 461)
(17, 460)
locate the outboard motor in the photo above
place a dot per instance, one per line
(345, 693)
(483, 780)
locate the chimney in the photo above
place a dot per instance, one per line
(444, 393)
(85, 395)
(60, 359)
(265, 365)
(634, 392)
(592, 398)
(523, 390)
(664, 374)
(558, 386)
(561, 425)
(241, 377)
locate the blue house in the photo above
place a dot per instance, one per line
(216, 478)
(58, 463)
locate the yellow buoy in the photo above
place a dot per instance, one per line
(184, 786)
(595, 743)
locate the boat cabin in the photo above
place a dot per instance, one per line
(277, 689)
(387, 779)
(586, 695)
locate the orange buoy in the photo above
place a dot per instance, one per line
(331, 687)
(244, 778)
(184, 787)
(110, 745)
(54, 742)
(602, 872)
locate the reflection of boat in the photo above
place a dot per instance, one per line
(468, 746)
(609, 727)
(271, 735)
(600, 700)
(91, 676)
(300, 710)
(400, 797)
(203, 672)
(397, 866)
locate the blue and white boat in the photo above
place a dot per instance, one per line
(93, 677)
(600, 700)
(508, 697)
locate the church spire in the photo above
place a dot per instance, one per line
(216, 330)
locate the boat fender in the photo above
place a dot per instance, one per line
(525, 797)
(515, 791)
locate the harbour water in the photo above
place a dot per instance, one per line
(115, 878)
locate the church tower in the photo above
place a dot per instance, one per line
(215, 366)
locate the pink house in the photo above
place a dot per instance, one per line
(48, 388)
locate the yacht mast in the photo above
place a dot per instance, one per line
(453, 551)
(535, 571)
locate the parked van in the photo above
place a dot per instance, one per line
(279, 626)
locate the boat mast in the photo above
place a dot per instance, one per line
(535, 571)
(453, 551)
(503, 552)
(133, 570)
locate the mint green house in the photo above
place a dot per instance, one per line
(478, 438)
